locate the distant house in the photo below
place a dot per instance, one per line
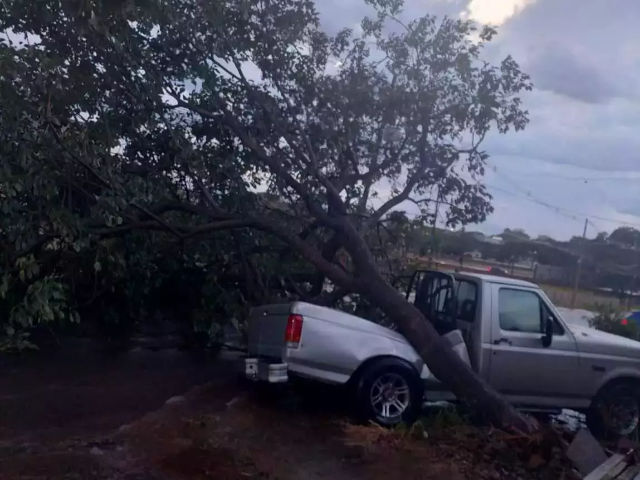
(481, 237)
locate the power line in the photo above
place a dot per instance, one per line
(574, 215)
(563, 177)
(617, 222)
(560, 210)
(556, 209)
(526, 192)
(617, 269)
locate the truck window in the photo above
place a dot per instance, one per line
(524, 311)
(520, 311)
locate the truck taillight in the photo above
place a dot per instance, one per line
(294, 331)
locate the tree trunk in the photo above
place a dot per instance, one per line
(441, 359)
(436, 352)
(438, 355)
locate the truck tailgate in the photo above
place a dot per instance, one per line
(267, 326)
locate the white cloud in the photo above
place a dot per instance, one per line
(494, 12)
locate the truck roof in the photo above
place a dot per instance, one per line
(497, 279)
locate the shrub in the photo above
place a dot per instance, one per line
(610, 319)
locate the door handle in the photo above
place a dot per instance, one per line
(502, 340)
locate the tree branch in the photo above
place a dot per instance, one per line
(412, 182)
(421, 201)
(310, 159)
(274, 165)
(105, 182)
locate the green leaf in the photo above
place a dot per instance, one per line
(47, 313)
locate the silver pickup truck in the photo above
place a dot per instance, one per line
(507, 330)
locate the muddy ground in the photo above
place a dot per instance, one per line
(58, 395)
(110, 419)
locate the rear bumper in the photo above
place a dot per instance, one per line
(263, 371)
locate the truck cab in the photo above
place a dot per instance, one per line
(519, 343)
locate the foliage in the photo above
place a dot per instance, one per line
(133, 142)
(444, 417)
(609, 319)
(514, 234)
(628, 236)
(399, 235)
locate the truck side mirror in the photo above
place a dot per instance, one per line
(547, 338)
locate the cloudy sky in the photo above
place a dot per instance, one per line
(580, 155)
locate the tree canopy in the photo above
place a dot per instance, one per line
(137, 126)
(627, 236)
(136, 134)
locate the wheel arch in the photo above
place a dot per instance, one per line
(617, 377)
(357, 374)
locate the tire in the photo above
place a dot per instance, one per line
(614, 400)
(389, 379)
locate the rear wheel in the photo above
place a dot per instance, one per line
(389, 392)
(615, 411)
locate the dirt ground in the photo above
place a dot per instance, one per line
(64, 395)
(129, 418)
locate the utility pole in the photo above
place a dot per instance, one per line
(576, 283)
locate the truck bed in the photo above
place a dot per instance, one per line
(324, 344)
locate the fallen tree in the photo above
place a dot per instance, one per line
(167, 119)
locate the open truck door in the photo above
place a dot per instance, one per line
(434, 294)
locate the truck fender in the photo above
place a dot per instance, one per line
(618, 375)
(355, 376)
